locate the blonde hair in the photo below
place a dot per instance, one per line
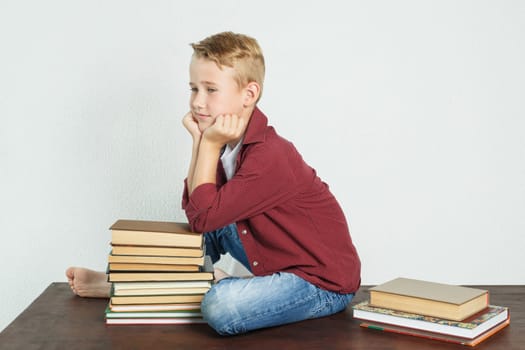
(237, 51)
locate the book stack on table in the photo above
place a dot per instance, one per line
(431, 310)
(159, 273)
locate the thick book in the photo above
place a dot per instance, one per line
(206, 274)
(436, 336)
(154, 233)
(161, 291)
(157, 251)
(159, 276)
(153, 314)
(157, 285)
(163, 260)
(160, 288)
(145, 321)
(152, 267)
(429, 298)
(155, 307)
(156, 299)
(468, 328)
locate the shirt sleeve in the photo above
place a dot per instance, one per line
(185, 195)
(264, 180)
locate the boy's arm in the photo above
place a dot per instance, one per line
(227, 128)
(191, 125)
(266, 177)
(191, 170)
(203, 167)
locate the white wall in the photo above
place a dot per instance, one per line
(412, 111)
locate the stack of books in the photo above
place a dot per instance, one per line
(159, 273)
(431, 310)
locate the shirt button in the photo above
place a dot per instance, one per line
(255, 263)
(244, 232)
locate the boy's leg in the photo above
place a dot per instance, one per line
(239, 305)
(225, 240)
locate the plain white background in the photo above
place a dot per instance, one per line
(412, 111)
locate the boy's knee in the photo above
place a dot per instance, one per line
(218, 310)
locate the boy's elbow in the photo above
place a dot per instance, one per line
(199, 224)
(196, 219)
(204, 220)
(196, 227)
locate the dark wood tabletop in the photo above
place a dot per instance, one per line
(59, 320)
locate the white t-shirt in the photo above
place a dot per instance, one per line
(228, 158)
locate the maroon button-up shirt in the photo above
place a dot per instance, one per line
(287, 218)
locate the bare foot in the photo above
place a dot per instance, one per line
(219, 274)
(88, 283)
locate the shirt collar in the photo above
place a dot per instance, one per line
(256, 130)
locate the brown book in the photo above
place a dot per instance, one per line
(157, 251)
(165, 260)
(159, 276)
(148, 320)
(156, 299)
(155, 307)
(429, 298)
(154, 233)
(160, 288)
(206, 274)
(156, 285)
(153, 267)
(385, 327)
(160, 291)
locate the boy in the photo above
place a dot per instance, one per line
(255, 197)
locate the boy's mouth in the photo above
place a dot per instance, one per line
(201, 116)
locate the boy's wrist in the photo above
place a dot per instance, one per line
(196, 139)
(209, 145)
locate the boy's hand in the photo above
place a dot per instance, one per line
(227, 128)
(191, 125)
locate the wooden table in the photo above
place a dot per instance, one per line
(59, 320)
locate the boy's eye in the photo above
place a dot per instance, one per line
(209, 90)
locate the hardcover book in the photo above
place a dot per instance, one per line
(138, 286)
(160, 291)
(176, 320)
(436, 336)
(152, 267)
(154, 233)
(155, 307)
(157, 251)
(206, 274)
(429, 298)
(165, 260)
(155, 314)
(468, 328)
(156, 299)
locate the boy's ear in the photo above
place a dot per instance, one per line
(251, 93)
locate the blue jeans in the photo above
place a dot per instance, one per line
(238, 305)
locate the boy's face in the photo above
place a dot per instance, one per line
(214, 92)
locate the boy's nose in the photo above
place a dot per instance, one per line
(198, 102)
